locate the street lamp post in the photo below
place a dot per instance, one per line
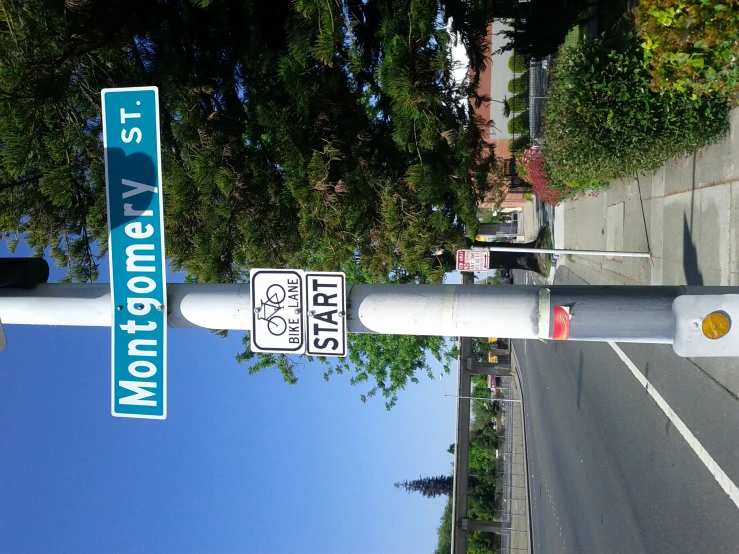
(491, 399)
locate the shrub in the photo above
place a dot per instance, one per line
(520, 142)
(518, 63)
(531, 167)
(691, 45)
(519, 85)
(602, 122)
(519, 124)
(518, 104)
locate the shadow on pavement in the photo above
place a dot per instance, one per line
(693, 275)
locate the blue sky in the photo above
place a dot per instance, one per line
(241, 464)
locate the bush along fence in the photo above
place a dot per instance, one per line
(519, 124)
(519, 85)
(518, 63)
(603, 121)
(518, 104)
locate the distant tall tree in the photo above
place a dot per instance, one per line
(430, 487)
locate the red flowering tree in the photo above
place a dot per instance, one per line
(530, 166)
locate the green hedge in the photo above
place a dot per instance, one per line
(520, 85)
(602, 122)
(518, 63)
(691, 44)
(519, 124)
(518, 104)
(520, 143)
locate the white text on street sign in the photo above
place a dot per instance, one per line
(278, 310)
(325, 295)
(133, 177)
(473, 260)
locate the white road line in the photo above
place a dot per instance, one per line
(723, 480)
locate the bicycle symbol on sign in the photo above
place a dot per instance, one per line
(276, 325)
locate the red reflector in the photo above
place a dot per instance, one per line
(561, 330)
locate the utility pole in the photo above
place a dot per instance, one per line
(580, 313)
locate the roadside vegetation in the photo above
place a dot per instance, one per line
(482, 471)
(691, 45)
(603, 122)
(657, 83)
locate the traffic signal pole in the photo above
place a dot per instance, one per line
(581, 313)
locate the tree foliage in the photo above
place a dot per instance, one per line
(430, 487)
(312, 134)
(383, 364)
(541, 25)
(307, 133)
(444, 531)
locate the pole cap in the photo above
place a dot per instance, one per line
(703, 325)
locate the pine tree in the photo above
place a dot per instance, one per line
(322, 135)
(430, 487)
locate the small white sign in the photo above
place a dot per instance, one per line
(278, 310)
(325, 295)
(473, 260)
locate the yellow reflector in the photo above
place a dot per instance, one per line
(716, 325)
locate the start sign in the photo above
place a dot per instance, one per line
(325, 295)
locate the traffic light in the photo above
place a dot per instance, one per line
(22, 273)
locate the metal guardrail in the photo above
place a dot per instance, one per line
(511, 502)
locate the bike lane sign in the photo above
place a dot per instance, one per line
(278, 310)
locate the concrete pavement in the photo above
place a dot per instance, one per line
(686, 214)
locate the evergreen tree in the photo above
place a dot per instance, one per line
(430, 487)
(322, 135)
(311, 133)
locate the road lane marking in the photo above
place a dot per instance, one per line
(723, 480)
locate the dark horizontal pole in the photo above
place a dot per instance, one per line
(23, 272)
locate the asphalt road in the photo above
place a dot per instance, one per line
(609, 470)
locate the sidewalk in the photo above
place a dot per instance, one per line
(520, 538)
(686, 214)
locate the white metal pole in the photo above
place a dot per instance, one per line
(440, 310)
(617, 313)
